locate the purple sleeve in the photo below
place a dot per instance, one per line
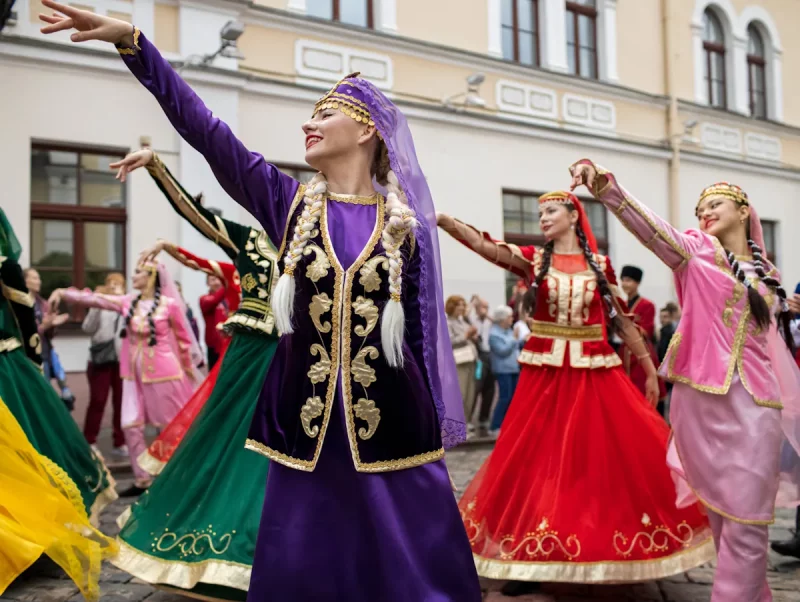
(258, 186)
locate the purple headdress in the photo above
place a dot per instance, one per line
(362, 101)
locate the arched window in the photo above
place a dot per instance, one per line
(714, 49)
(757, 73)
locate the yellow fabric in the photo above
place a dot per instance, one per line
(41, 512)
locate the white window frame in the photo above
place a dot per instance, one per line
(385, 13)
(773, 52)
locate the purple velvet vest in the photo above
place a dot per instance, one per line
(390, 415)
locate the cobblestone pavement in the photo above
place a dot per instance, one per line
(45, 582)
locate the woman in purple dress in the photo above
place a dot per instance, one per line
(362, 396)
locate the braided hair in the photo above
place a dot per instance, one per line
(150, 315)
(758, 306)
(530, 298)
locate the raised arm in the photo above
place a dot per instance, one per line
(86, 298)
(221, 269)
(252, 182)
(507, 256)
(673, 247)
(223, 232)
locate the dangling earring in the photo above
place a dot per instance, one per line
(572, 227)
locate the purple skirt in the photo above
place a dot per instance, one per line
(337, 535)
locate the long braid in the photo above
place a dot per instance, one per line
(150, 319)
(784, 317)
(758, 307)
(399, 223)
(530, 297)
(305, 229)
(602, 281)
(124, 332)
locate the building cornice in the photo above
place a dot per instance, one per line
(734, 119)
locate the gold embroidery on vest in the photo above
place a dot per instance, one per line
(366, 309)
(654, 540)
(318, 268)
(318, 372)
(249, 282)
(320, 305)
(366, 410)
(311, 409)
(370, 278)
(552, 295)
(363, 374)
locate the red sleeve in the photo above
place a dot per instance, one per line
(611, 276)
(208, 303)
(222, 270)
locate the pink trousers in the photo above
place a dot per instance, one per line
(741, 574)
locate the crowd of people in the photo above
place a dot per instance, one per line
(339, 375)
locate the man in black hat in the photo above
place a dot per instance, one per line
(643, 312)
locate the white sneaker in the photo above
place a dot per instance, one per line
(122, 450)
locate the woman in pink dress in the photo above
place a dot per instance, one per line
(158, 356)
(735, 392)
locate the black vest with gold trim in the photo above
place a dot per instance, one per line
(336, 345)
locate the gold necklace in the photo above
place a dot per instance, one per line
(354, 199)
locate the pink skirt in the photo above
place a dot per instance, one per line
(153, 403)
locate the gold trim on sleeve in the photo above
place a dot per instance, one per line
(17, 296)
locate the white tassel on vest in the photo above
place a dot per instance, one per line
(393, 326)
(283, 303)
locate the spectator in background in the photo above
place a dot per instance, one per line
(189, 313)
(215, 312)
(666, 317)
(47, 323)
(515, 303)
(102, 371)
(463, 338)
(479, 318)
(504, 352)
(521, 329)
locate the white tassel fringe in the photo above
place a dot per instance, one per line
(283, 303)
(393, 326)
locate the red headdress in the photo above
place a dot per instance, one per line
(567, 198)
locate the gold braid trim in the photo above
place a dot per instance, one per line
(17, 296)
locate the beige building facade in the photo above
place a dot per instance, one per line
(502, 96)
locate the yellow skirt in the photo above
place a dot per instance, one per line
(42, 512)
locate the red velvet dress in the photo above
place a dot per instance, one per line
(577, 488)
(161, 450)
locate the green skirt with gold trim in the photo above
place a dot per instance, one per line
(196, 527)
(52, 431)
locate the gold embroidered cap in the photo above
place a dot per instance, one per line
(559, 196)
(731, 191)
(346, 98)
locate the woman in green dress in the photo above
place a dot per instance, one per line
(195, 529)
(33, 401)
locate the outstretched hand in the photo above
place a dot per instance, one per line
(88, 25)
(55, 300)
(132, 162)
(583, 175)
(151, 253)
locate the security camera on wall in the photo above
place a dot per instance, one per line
(7, 17)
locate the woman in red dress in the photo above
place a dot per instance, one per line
(161, 449)
(577, 488)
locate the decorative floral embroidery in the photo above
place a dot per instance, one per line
(655, 540)
(320, 305)
(318, 268)
(366, 410)
(311, 409)
(363, 374)
(318, 372)
(197, 543)
(370, 278)
(249, 282)
(366, 309)
(540, 544)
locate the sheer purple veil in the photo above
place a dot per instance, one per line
(439, 363)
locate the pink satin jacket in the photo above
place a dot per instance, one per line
(716, 334)
(169, 359)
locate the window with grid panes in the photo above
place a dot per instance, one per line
(78, 217)
(351, 12)
(520, 31)
(582, 38)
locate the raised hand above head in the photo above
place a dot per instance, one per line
(150, 253)
(88, 25)
(132, 162)
(583, 175)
